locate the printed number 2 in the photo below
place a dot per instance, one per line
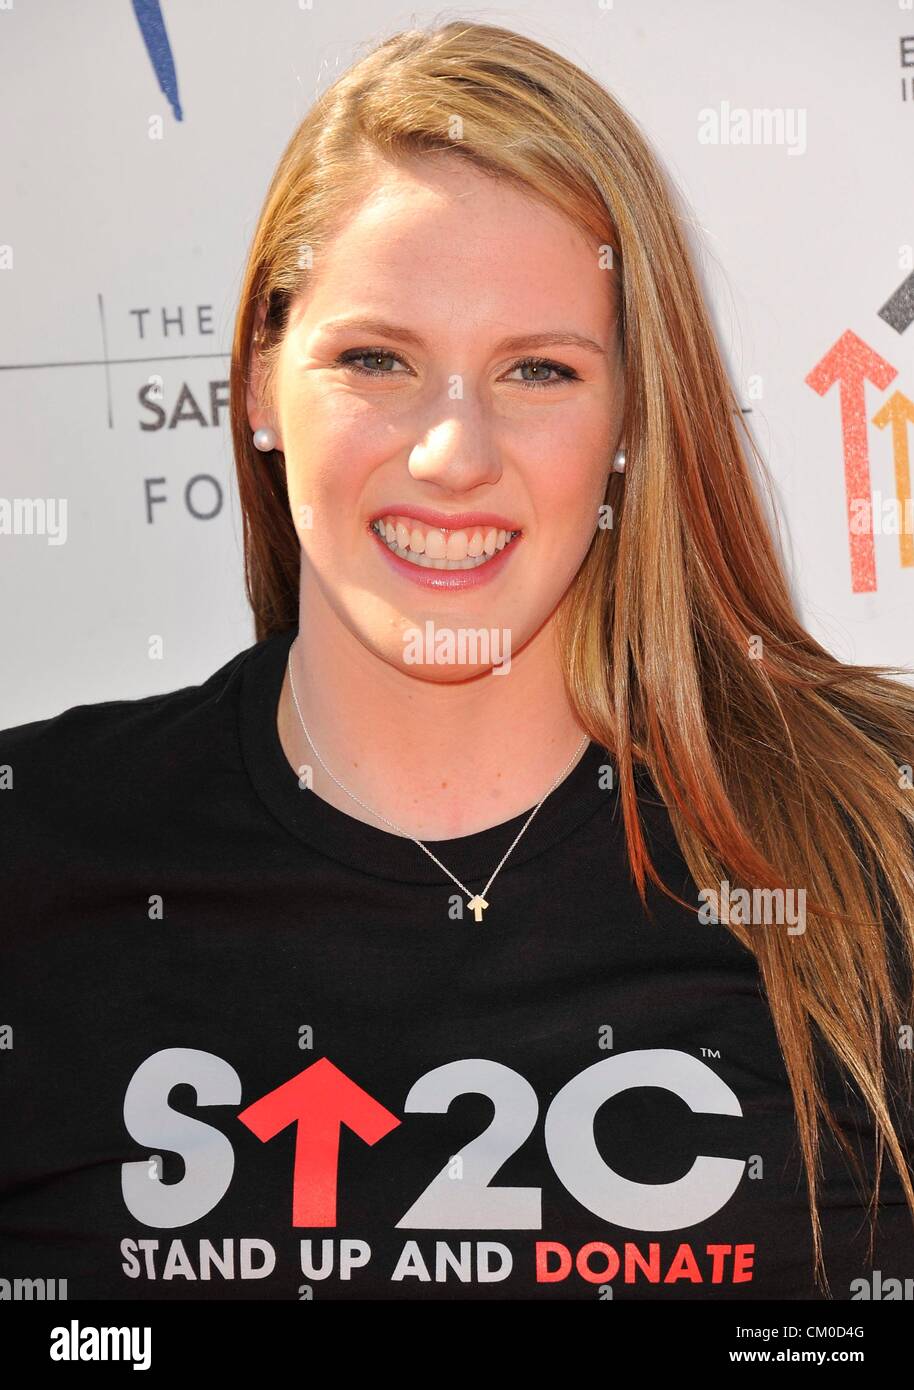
(471, 1203)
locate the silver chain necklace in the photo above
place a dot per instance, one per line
(477, 901)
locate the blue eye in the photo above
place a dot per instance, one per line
(564, 373)
(350, 359)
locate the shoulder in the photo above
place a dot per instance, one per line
(62, 777)
(97, 727)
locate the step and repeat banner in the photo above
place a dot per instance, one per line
(139, 138)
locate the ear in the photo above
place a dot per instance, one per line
(259, 415)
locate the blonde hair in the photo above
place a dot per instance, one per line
(777, 762)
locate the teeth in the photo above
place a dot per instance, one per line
(432, 548)
(436, 545)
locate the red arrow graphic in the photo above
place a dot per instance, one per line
(318, 1100)
(852, 362)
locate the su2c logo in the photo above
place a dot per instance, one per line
(321, 1098)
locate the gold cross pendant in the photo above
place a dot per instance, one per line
(476, 906)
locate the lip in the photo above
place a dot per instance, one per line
(444, 579)
(446, 521)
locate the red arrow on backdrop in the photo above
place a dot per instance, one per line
(852, 362)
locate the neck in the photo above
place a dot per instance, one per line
(440, 759)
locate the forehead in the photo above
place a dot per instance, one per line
(436, 231)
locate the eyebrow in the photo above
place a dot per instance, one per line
(518, 342)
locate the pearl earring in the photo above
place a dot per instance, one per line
(265, 439)
(619, 461)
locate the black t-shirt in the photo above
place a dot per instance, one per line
(250, 1050)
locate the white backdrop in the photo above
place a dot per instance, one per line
(121, 256)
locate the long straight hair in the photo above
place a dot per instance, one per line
(780, 765)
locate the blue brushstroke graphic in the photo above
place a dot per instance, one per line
(152, 27)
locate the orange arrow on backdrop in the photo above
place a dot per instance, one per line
(898, 412)
(852, 362)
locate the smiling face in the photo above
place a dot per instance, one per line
(447, 477)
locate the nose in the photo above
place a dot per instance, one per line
(456, 455)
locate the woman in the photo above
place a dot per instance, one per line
(406, 956)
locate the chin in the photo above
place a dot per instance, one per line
(444, 675)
